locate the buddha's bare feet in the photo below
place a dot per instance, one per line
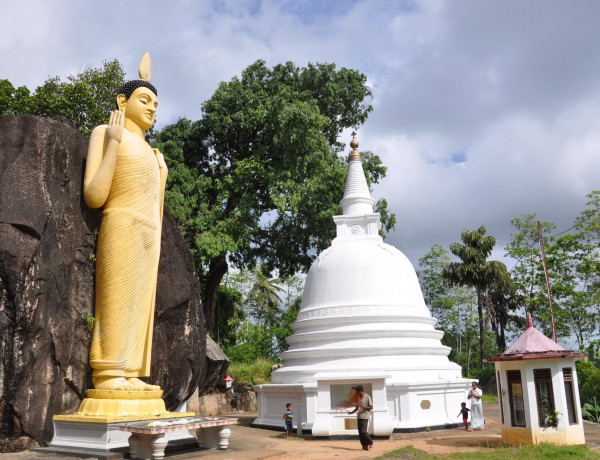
(113, 383)
(141, 385)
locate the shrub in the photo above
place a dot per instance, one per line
(253, 373)
(591, 411)
(589, 380)
(485, 375)
(253, 342)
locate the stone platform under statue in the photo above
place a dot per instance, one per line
(142, 439)
(97, 425)
(132, 434)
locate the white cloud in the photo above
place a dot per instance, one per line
(483, 110)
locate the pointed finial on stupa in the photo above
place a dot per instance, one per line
(354, 155)
(529, 321)
(357, 196)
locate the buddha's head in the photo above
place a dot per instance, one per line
(139, 100)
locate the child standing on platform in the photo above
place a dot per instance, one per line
(288, 416)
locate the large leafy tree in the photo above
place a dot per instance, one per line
(258, 178)
(528, 273)
(503, 301)
(569, 259)
(85, 99)
(229, 314)
(437, 289)
(13, 100)
(587, 226)
(264, 297)
(266, 310)
(455, 307)
(573, 262)
(475, 270)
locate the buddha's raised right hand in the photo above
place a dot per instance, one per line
(116, 125)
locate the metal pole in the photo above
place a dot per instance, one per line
(539, 227)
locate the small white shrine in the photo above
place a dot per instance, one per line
(538, 393)
(363, 321)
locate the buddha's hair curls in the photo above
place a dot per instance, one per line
(128, 88)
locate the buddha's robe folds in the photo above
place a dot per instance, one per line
(127, 264)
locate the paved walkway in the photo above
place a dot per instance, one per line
(247, 443)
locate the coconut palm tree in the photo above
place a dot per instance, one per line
(475, 270)
(264, 297)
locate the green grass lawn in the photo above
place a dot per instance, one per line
(490, 399)
(541, 452)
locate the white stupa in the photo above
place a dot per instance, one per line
(363, 321)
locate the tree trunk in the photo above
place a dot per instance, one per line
(499, 322)
(502, 344)
(217, 269)
(481, 328)
(499, 332)
(496, 328)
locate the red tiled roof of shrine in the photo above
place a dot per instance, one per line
(534, 345)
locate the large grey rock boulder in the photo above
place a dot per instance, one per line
(46, 274)
(216, 367)
(47, 245)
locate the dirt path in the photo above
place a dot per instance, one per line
(275, 447)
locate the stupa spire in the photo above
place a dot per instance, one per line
(357, 197)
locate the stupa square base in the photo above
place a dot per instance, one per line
(398, 406)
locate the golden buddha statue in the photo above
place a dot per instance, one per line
(126, 178)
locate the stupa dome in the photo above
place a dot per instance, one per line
(364, 271)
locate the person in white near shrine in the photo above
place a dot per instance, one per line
(475, 394)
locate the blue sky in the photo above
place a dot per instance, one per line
(483, 110)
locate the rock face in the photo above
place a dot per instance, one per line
(179, 343)
(47, 246)
(216, 366)
(46, 274)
